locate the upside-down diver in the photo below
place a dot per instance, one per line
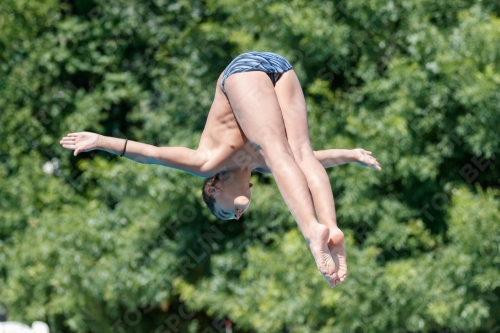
(257, 122)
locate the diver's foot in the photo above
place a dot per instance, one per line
(327, 247)
(337, 250)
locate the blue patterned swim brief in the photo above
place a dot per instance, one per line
(270, 63)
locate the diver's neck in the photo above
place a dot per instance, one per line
(238, 173)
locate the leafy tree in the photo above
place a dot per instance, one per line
(99, 244)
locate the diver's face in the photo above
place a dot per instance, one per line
(232, 198)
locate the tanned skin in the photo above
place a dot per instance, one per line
(256, 127)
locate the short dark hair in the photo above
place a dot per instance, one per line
(209, 198)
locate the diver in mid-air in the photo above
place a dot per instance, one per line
(257, 122)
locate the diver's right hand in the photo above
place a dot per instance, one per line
(80, 142)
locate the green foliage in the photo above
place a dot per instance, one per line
(99, 244)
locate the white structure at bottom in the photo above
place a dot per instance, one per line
(13, 327)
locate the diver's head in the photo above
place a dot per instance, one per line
(227, 194)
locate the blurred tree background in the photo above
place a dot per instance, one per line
(95, 243)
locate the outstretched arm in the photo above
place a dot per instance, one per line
(185, 159)
(333, 157)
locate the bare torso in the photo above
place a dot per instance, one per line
(223, 141)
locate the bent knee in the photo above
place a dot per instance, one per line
(272, 150)
(271, 139)
(302, 152)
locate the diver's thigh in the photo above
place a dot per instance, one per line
(294, 112)
(256, 108)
